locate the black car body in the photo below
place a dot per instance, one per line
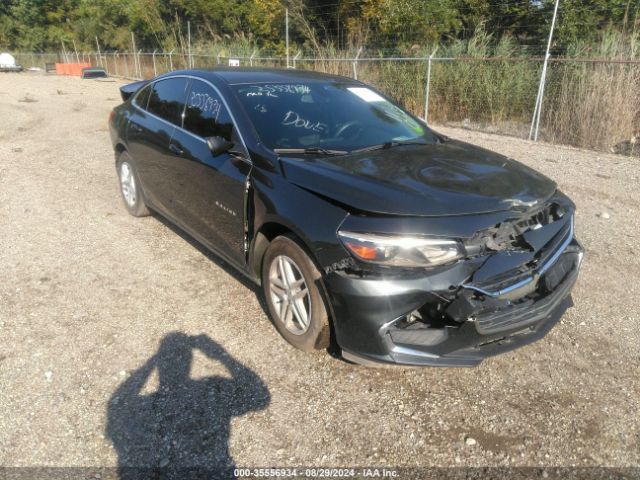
(495, 239)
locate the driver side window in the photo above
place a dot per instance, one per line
(206, 115)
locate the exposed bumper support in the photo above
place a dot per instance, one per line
(470, 356)
(508, 327)
(527, 285)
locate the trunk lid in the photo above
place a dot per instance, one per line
(130, 88)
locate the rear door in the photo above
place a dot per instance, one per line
(159, 110)
(212, 189)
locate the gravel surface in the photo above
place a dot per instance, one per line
(124, 342)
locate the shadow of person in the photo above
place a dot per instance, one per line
(182, 429)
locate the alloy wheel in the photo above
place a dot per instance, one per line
(290, 295)
(128, 184)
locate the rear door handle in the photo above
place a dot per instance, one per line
(136, 128)
(175, 149)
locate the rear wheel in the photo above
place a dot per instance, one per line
(130, 187)
(291, 284)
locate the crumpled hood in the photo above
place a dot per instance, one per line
(451, 178)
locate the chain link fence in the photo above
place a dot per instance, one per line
(590, 103)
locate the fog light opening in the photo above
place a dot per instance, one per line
(430, 316)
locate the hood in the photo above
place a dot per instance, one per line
(451, 178)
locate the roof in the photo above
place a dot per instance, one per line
(239, 75)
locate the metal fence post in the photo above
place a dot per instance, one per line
(116, 56)
(171, 60)
(286, 23)
(135, 58)
(99, 55)
(189, 44)
(126, 65)
(535, 121)
(153, 56)
(64, 51)
(355, 64)
(140, 74)
(75, 49)
(427, 88)
(295, 59)
(251, 58)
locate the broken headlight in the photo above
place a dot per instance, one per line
(401, 251)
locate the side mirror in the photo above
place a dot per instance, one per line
(218, 145)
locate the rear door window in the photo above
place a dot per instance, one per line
(206, 115)
(167, 99)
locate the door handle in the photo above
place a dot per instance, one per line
(136, 128)
(175, 149)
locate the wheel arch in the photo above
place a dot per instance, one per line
(119, 149)
(267, 232)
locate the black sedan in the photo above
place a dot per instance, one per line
(368, 231)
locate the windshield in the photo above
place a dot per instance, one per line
(341, 117)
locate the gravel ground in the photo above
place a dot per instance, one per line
(100, 314)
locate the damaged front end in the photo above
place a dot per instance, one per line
(512, 286)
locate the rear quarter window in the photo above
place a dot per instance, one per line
(142, 97)
(167, 99)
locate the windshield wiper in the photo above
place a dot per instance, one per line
(310, 151)
(386, 145)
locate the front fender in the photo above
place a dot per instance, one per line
(313, 219)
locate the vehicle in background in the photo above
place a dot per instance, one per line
(8, 63)
(93, 72)
(366, 229)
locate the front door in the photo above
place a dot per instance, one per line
(212, 189)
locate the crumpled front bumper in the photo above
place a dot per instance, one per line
(363, 308)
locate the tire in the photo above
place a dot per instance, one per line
(130, 187)
(282, 253)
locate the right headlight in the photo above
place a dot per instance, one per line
(401, 251)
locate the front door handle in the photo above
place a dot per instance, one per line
(136, 128)
(175, 149)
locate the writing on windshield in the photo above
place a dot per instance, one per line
(327, 115)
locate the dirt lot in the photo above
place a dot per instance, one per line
(93, 371)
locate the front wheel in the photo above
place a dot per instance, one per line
(291, 284)
(130, 186)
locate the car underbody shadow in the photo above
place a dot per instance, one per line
(333, 350)
(220, 262)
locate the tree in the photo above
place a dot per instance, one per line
(317, 24)
(6, 24)
(106, 19)
(412, 21)
(39, 24)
